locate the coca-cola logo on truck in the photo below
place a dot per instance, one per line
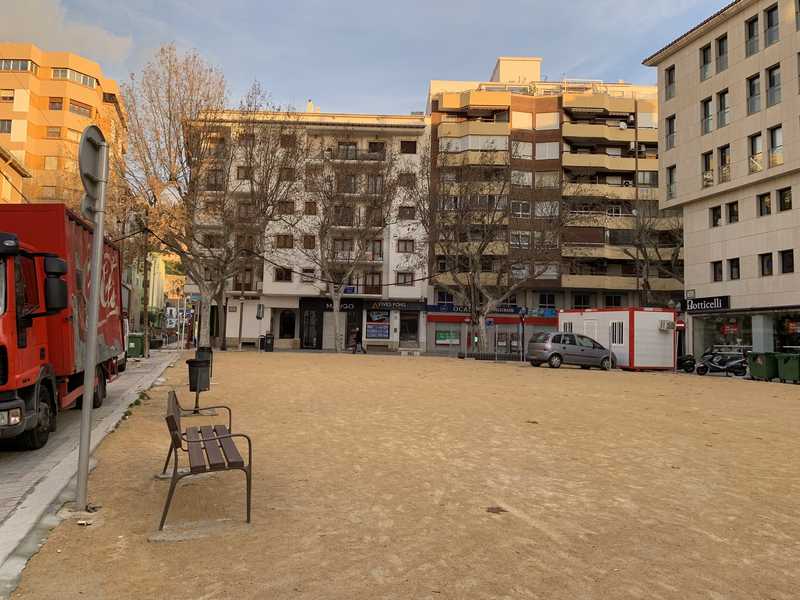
(710, 304)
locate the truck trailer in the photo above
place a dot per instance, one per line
(45, 258)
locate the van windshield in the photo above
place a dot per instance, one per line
(2, 286)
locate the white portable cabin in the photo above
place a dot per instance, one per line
(640, 338)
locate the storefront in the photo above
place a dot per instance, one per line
(394, 324)
(714, 325)
(316, 325)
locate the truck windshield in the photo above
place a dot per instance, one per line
(2, 286)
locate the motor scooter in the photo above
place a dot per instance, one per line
(687, 363)
(723, 363)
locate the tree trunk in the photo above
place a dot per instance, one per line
(203, 336)
(338, 344)
(146, 299)
(482, 331)
(222, 320)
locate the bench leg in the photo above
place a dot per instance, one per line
(249, 481)
(166, 462)
(172, 484)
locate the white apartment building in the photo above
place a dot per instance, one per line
(729, 156)
(386, 297)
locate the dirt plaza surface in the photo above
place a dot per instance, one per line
(430, 478)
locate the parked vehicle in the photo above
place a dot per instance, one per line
(45, 253)
(557, 348)
(687, 363)
(735, 364)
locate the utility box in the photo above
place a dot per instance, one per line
(639, 338)
(135, 345)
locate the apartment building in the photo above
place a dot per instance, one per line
(385, 297)
(47, 99)
(12, 174)
(588, 147)
(730, 159)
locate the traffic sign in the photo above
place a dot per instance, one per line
(93, 167)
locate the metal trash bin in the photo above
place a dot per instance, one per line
(269, 343)
(763, 365)
(199, 375)
(788, 367)
(135, 345)
(206, 353)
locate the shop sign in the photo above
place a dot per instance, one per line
(396, 305)
(503, 309)
(344, 306)
(709, 304)
(447, 338)
(378, 324)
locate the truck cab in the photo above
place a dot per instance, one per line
(32, 290)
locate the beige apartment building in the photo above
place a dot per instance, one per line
(730, 156)
(12, 174)
(591, 143)
(47, 99)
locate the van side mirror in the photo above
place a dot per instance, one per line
(56, 296)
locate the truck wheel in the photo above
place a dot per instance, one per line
(554, 361)
(37, 437)
(99, 390)
(123, 364)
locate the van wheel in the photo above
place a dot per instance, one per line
(605, 364)
(99, 390)
(554, 361)
(38, 436)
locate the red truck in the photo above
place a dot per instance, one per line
(45, 253)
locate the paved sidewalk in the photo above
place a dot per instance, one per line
(33, 480)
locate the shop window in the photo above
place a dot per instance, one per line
(765, 264)
(716, 270)
(787, 261)
(286, 325)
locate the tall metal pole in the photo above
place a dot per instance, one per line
(90, 361)
(636, 192)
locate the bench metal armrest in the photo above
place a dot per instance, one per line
(228, 408)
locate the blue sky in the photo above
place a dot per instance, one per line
(361, 55)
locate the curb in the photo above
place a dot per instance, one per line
(15, 548)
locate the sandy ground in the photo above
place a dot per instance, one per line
(373, 476)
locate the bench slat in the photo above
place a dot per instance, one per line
(229, 448)
(215, 458)
(197, 458)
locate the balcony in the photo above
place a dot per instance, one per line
(605, 190)
(472, 158)
(461, 128)
(619, 282)
(597, 103)
(724, 173)
(605, 162)
(601, 132)
(361, 289)
(756, 162)
(708, 178)
(355, 154)
(460, 101)
(776, 157)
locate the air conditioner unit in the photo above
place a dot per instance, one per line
(666, 325)
(632, 146)
(626, 183)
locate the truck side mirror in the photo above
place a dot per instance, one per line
(56, 296)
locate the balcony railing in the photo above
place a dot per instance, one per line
(751, 46)
(756, 162)
(773, 95)
(705, 71)
(722, 63)
(771, 35)
(708, 178)
(706, 124)
(723, 117)
(724, 173)
(753, 104)
(353, 154)
(776, 157)
(372, 290)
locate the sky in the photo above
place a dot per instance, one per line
(372, 56)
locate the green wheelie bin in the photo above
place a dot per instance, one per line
(788, 367)
(763, 365)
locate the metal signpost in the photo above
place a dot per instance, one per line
(93, 165)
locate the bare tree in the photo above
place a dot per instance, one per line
(489, 234)
(337, 240)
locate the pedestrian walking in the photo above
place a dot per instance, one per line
(358, 342)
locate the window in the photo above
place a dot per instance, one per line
(764, 202)
(521, 208)
(785, 199)
(214, 180)
(80, 109)
(756, 156)
(722, 53)
(245, 210)
(5, 125)
(376, 148)
(753, 94)
(11, 64)
(285, 207)
(521, 150)
(372, 283)
(775, 146)
(706, 118)
(283, 275)
(75, 76)
(287, 140)
(670, 135)
(343, 216)
(310, 208)
(547, 121)
(346, 184)
(715, 216)
(406, 213)
(751, 36)
(787, 261)
(773, 85)
(405, 246)
(54, 132)
(617, 333)
(723, 108)
(374, 184)
(716, 270)
(546, 180)
(669, 82)
(733, 269)
(407, 180)
(732, 208)
(27, 292)
(284, 241)
(707, 167)
(724, 162)
(771, 26)
(405, 278)
(765, 264)
(309, 242)
(56, 104)
(6, 95)
(547, 150)
(521, 120)
(50, 163)
(612, 300)
(580, 301)
(521, 239)
(408, 147)
(243, 173)
(522, 178)
(547, 300)
(347, 150)
(545, 209)
(314, 180)
(705, 62)
(444, 297)
(672, 183)
(286, 174)
(308, 275)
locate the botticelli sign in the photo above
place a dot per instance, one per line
(709, 304)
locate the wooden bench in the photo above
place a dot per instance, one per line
(208, 447)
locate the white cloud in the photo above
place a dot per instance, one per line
(46, 24)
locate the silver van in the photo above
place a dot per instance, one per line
(565, 348)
